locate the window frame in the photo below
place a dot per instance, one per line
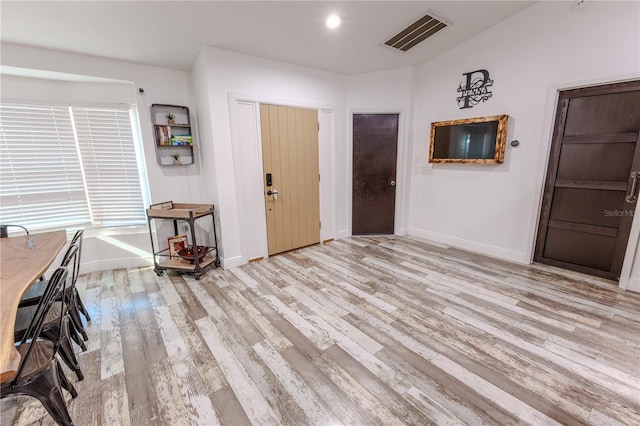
(138, 149)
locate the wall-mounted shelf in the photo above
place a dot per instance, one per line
(172, 137)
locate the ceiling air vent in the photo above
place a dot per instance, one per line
(415, 33)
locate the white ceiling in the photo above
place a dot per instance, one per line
(171, 33)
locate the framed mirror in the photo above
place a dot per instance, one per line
(471, 140)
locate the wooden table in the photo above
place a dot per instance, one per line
(24, 260)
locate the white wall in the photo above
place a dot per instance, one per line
(389, 91)
(124, 248)
(230, 88)
(547, 47)
(35, 89)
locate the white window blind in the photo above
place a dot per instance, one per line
(105, 141)
(41, 181)
(62, 166)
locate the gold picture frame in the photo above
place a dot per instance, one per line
(479, 140)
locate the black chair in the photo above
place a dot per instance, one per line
(77, 239)
(76, 306)
(57, 316)
(39, 373)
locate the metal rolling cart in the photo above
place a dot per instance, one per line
(163, 259)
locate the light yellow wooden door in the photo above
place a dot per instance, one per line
(290, 157)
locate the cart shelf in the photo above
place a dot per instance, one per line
(170, 210)
(185, 266)
(188, 213)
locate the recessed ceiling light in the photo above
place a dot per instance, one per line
(333, 21)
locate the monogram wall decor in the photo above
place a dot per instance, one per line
(475, 89)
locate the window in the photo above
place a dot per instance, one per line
(63, 166)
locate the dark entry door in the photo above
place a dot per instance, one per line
(591, 188)
(375, 146)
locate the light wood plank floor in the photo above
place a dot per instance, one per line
(359, 331)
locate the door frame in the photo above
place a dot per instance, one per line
(402, 179)
(252, 248)
(551, 109)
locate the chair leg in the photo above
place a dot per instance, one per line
(66, 384)
(69, 357)
(46, 388)
(76, 336)
(66, 350)
(81, 307)
(77, 322)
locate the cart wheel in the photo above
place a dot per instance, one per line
(217, 263)
(197, 275)
(159, 272)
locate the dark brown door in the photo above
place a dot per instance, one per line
(375, 146)
(590, 191)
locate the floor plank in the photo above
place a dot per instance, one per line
(359, 331)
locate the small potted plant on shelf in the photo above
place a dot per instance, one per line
(176, 159)
(170, 118)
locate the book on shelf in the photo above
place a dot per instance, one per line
(163, 135)
(182, 140)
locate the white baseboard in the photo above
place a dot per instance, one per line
(232, 262)
(345, 233)
(633, 285)
(123, 263)
(141, 262)
(474, 246)
(402, 232)
(342, 234)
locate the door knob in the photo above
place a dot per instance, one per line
(274, 193)
(631, 196)
(392, 183)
